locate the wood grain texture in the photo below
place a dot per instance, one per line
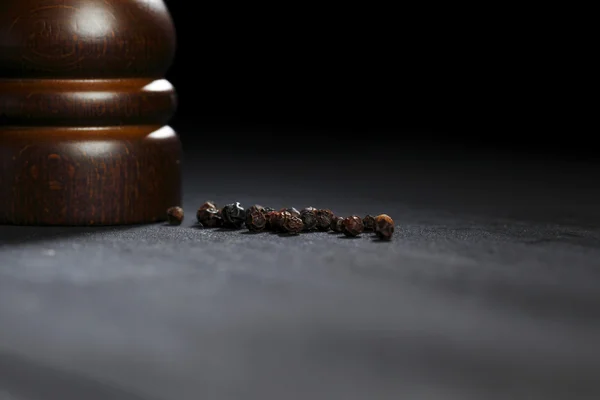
(83, 112)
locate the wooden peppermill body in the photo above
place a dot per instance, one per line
(83, 112)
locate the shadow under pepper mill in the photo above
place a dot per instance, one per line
(83, 112)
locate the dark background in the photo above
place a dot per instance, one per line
(421, 76)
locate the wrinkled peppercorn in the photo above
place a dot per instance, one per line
(324, 218)
(209, 217)
(234, 216)
(275, 220)
(208, 204)
(384, 227)
(309, 218)
(293, 225)
(292, 211)
(336, 224)
(175, 215)
(255, 220)
(353, 226)
(256, 207)
(369, 222)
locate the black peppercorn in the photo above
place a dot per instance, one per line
(324, 218)
(234, 216)
(384, 227)
(369, 222)
(353, 226)
(175, 215)
(209, 217)
(309, 218)
(292, 211)
(255, 219)
(293, 225)
(336, 224)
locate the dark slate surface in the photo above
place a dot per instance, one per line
(490, 289)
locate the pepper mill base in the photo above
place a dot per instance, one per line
(88, 176)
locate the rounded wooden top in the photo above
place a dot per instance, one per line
(85, 39)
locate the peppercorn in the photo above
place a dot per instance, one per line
(353, 226)
(175, 215)
(369, 222)
(255, 219)
(309, 218)
(283, 216)
(292, 211)
(272, 218)
(324, 218)
(234, 216)
(336, 224)
(384, 227)
(254, 208)
(208, 204)
(293, 225)
(209, 217)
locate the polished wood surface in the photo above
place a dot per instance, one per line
(83, 112)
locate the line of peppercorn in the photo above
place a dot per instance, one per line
(287, 220)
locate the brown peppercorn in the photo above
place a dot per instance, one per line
(293, 225)
(175, 215)
(255, 220)
(384, 227)
(309, 218)
(256, 207)
(208, 204)
(272, 218)
(369, 223)
(209, 217)
(292, 211)
(336, 224)
(353, 226)
(324, 218)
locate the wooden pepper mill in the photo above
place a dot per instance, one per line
(83, 112)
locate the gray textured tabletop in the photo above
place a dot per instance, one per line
(489, 289)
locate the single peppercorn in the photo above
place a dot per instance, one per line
(336, 224)
(283, 216)
(324, 218)
(309, 218)
(384, 227)
(293, 225)
(254, 208)
(292, 211)
(209, 217)
(255, 220)
(208, 204)
(353, 226)
(272, 218)
(369, 223)
(234, 216)
(175, 215)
